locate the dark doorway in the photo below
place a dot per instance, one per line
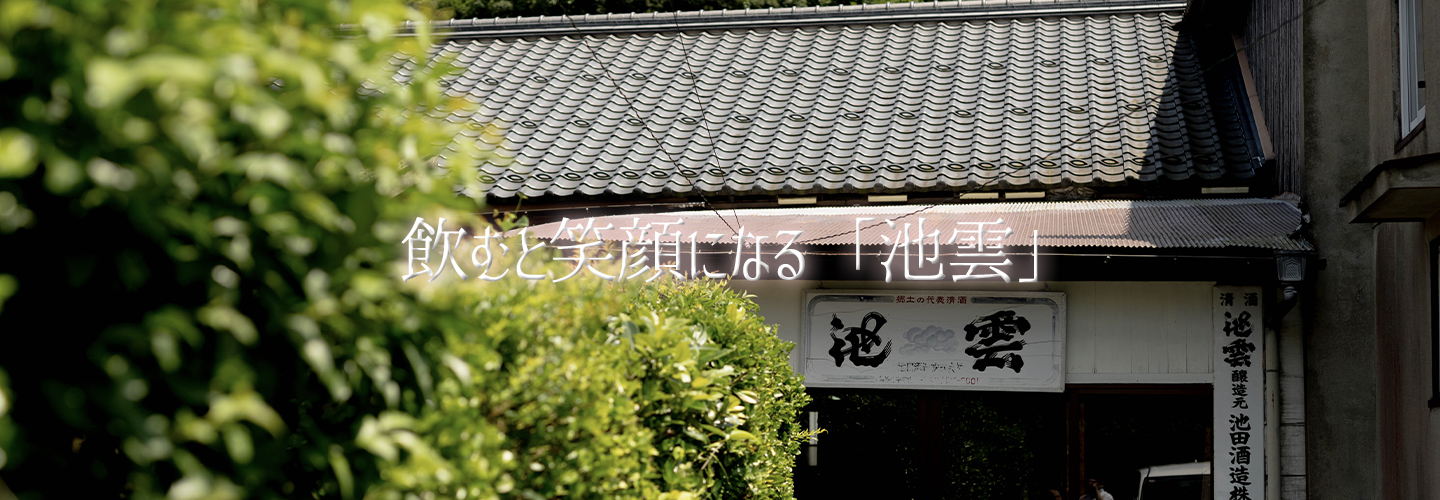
(898, 444)
(1125, 430)
(935, 445)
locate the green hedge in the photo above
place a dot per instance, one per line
(672, 390)
(763, 384)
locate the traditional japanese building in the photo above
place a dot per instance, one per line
(1018, 244)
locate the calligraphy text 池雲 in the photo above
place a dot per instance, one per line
(1238, 384)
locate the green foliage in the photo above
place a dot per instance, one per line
(989, 447)
(196, 218)
(585, 391)
(528, 405)
(764, 394)
(7, 428)
(201, 204)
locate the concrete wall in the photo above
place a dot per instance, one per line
(1340, 346)
(1116, 332)
(1409, 428)
(1366, 438)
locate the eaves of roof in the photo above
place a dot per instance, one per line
(1263, 224)
(792, 17)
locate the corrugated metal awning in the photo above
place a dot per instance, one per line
(1208, 223)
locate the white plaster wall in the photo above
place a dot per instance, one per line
(1116, 332)
(1128, 332)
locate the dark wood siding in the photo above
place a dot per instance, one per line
(1273, 44)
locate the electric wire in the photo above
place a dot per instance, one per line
(630, 103)
(695, 84)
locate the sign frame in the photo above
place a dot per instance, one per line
(1238, 458)
(1054, 384)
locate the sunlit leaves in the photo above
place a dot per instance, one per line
(236, 171)
(17, 153)
(13, 216)
(212, 172)
(225, 318)
(8, 286)
(586, 390)
(757, 435)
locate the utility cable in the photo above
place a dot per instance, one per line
(630, 103)
(695, 83)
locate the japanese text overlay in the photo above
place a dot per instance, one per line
(648, 250)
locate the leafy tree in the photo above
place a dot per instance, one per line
(199, 219)
(194, 202)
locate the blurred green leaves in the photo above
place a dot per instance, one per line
(17, 153)
(187, 196)
(199, 207)
(7, 427)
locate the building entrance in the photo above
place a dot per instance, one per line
(897, 444)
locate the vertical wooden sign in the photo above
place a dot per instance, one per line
(1239, 462)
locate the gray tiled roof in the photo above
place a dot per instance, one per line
(882, 106)
(790, 17)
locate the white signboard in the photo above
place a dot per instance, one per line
(960, 340)
(1238, 466)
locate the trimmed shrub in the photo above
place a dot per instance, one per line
(765, 394)
(671, 390)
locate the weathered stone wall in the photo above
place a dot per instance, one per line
(1343, 461)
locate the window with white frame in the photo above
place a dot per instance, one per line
(1412, 67)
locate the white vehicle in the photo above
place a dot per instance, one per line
(1175, 482)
